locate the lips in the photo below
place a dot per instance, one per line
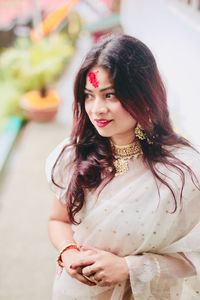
(102, 122)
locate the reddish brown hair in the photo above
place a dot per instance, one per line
(138, 86)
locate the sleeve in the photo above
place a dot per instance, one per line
(153, 275)
(158, 275)
(63, 170)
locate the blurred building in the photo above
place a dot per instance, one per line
(171, 30)
(193, 3)
(18, 16)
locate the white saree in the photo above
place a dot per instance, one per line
(130, 219)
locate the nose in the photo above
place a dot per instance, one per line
(99, 106)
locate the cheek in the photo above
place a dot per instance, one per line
(123, 114)
(88, 111)
(119, 111)
(87, 108)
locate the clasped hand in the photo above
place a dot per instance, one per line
(93, 266)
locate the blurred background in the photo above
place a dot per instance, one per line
(42, 44)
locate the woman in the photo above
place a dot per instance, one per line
(125, 221)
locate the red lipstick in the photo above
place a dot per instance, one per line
(102, 122)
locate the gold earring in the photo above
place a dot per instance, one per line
(141, 135)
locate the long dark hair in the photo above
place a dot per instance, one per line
(139, 88)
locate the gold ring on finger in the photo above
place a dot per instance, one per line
(88, 278)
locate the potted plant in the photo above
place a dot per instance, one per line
(33, 66)
(45, 62)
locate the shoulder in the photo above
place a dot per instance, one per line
(182, 175)
(189, 156)
(187, 164)
(63, 151)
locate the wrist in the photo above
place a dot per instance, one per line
(71, 247)
(68, 254)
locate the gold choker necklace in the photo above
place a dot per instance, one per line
(123, 154)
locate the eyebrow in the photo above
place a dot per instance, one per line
(101, 90)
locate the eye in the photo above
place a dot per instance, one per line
(110, 95)
(88, 96)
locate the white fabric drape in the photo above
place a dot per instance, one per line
(130, 219)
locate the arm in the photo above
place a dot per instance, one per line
(59, 226)
(60, 234)
(111, 269)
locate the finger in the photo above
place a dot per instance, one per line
(91, 278)
(80, 277)
(79, 270)
(84, 280)
(88, 252)
(85, 248)
(102, 284)
(98, 276)
(90, 270)
(82, 263)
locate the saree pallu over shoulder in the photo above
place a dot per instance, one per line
(63, 156)
(131, 219)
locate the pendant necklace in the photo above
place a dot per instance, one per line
(123, 154)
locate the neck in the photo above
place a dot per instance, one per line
(127, 151)
(123, 142)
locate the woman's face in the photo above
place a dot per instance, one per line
(105, 111)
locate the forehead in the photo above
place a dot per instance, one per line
(97, 77)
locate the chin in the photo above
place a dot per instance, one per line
(103, 133)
